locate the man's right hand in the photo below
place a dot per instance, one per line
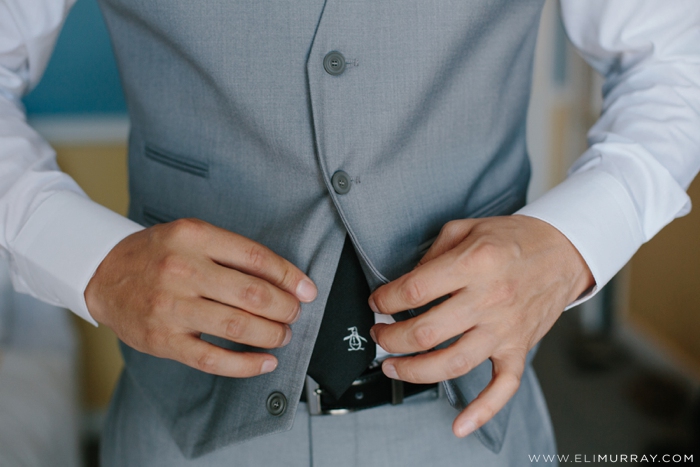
(161, 288)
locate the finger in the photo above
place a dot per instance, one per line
(432, 280)
(236, 325)
(424, 332)
(450, 235)
(238, 252)
(458, 359)
(249, 293)
(503, 386)
(206, 357)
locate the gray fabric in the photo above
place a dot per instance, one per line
(39, 411)
(236, 122)
(416, 433)
(6, 302)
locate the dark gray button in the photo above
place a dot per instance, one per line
(276, 403)
(334, 63)
(341, 182)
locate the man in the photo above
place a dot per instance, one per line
(343, 136)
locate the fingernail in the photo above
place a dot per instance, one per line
(306, 291)
(372, 305)
(268, 366)
(390, 371)
(287, 337)
(371, 334)
(466, 428)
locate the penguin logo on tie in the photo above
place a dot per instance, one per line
(355, 340)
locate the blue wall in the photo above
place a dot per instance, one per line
(82, 74)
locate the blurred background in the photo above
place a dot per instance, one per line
(621, 373)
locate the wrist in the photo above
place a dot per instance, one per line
(567, 259)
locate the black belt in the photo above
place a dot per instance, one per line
(371, 389)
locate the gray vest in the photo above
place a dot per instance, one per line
(236, 122)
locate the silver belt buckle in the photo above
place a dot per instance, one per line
(313, 393)
(313, 396)
(313, 399)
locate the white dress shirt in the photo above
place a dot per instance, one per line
(645, 148)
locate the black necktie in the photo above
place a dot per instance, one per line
(343, 349)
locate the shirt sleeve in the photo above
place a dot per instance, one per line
(53, 236)
(645, 148)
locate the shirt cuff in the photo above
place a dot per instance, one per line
(61, 245)
(594, 211)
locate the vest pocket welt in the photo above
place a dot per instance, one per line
(152, 216)
(504, 204)
(186, 164)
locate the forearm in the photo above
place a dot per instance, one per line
(645, 148)
(52, 234)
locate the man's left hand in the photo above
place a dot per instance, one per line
(508, 279)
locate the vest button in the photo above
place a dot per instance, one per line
(276, 403)
(334, 63)
(341, 182)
